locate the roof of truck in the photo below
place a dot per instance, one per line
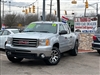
(48, 22)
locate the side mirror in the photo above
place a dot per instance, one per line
(72, 28)
(62, 32)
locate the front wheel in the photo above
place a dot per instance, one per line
(54, 58)
(14, 59)
(98, 51)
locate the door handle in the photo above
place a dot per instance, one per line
(65, 37)
(70, 36)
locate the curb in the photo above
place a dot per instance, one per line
(86, 51)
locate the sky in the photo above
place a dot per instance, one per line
(18, 5)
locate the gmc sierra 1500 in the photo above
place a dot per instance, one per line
(42, 39)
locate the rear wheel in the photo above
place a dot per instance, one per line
(54, 58)
(98, 51)
(74, 51)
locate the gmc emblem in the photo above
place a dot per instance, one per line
(23, 42)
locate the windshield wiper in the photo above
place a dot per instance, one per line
(43, 31)
(37, 31)
(28, 31)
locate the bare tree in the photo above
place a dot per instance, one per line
(53, 17)
(20, 19)
(10, 20)
(30, 18)
(92, 13)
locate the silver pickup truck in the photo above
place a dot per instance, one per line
(46, 40)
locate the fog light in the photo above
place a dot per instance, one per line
(9, 53)
(42, 55)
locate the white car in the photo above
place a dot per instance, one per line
(4, 35)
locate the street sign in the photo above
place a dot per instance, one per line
(85, 24)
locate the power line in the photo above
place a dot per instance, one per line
(25, 5)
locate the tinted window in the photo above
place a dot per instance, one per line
(41, 27)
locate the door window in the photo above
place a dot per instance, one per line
(67, 28)
(61, 27)
(6, 32)
(1, 32)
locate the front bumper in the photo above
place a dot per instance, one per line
(96, 46)
(29, 52)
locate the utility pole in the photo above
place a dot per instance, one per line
(38, 8)
(85, 12)
(3, 11)
(9, 7)
(93, 7)
(50, 9)
(0, 14)
(58, 10)
(97, 9)
(43, 13)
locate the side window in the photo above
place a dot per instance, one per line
(1, 32)
(6, 32)
(67, 28)
(61, 27)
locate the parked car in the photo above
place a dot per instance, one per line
(4, 34)
(96, 40)
(0, 32)
(42, 39)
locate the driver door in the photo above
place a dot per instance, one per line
(63, 39)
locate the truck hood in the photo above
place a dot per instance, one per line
(34, 35)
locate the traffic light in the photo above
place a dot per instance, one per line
(65, 12)
(33, 7)
(26, 11)
(55, 12)
(86, 4)
(29, 10)
(74, 2)
(23, 10)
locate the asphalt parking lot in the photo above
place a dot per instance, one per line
(87, 63)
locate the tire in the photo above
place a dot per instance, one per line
(54, 58)
(5, 45)
(98, 51)
(14, 59)
(74, 51)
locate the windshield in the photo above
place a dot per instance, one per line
(41, 27)
(15, 31)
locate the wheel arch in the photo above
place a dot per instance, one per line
(56, 45)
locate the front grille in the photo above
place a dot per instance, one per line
(23, 42)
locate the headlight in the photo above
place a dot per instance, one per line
(9, 40)
(44, 42)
